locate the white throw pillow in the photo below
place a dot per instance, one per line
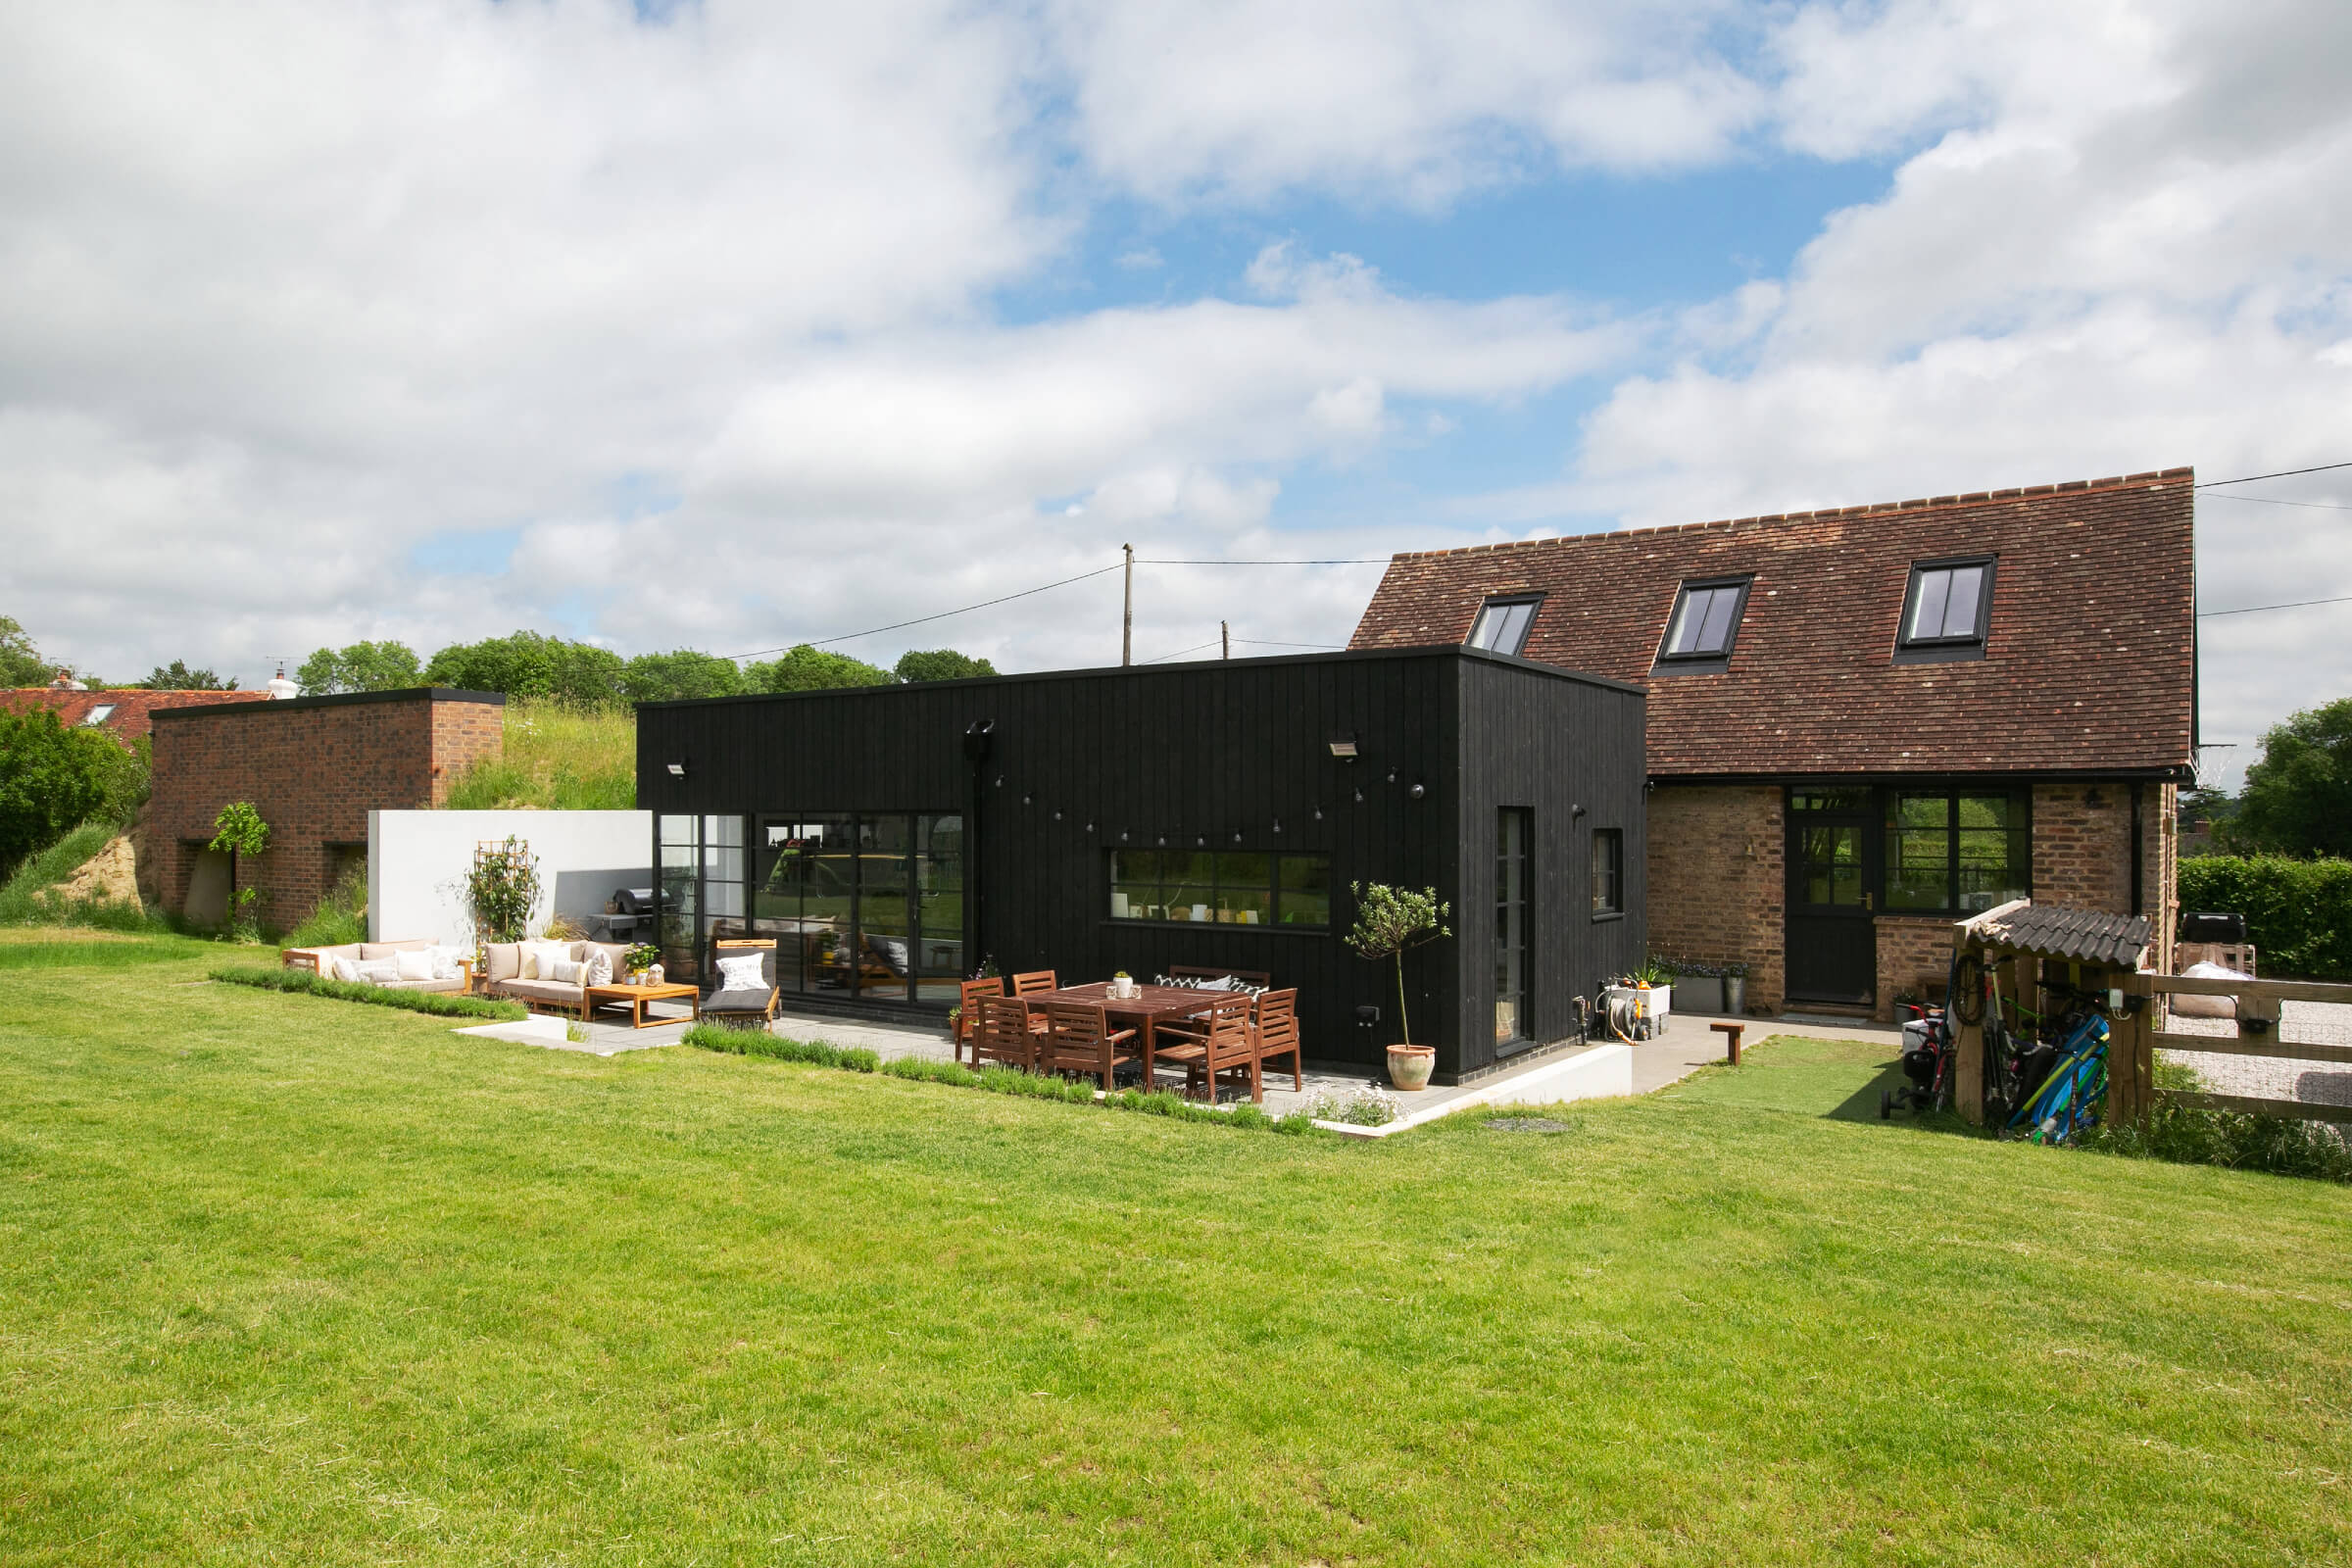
(741, 973)
(347, 970)
(417, 965)
(600, 967)
(446, 962)
(539, 959)
(566, 972)
(379, 972)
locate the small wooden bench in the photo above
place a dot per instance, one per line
(1730, 1034)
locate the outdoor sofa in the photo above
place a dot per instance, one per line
(511, 977)
(380, 963)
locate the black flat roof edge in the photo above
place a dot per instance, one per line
(1115, 672)
(438, 694)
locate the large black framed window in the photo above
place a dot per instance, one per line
(1221, 887)
(1608, 872)
(1705, 625)
(1957, 852)
(1947, 609)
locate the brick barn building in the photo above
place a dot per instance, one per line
(314, 767)
(1866, 723)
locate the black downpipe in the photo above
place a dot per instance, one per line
(978, 741)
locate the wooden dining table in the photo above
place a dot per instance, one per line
(1146, 1008)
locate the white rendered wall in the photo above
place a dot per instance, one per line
(417, 861)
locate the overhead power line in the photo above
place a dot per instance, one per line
(1347, 561)
(2274, 501)
(2284, 474)
(852, 636)
(2299, 603)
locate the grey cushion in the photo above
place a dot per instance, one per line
(539, 991)
(506, 959)
(737, 1001)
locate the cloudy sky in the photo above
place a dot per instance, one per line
(730, 326)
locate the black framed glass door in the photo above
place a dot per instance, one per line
(1833, 951)
(1512, 836)
(869, 905)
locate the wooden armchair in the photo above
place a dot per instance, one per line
(1221, 1040)
(1277, 1033)
(1035, 983)
(1079, 1040)
(969, 997)
(758, 1003)
(1002, 1033)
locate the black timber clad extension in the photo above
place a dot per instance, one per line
(1199, 754)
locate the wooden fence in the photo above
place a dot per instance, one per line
(2131, 1091)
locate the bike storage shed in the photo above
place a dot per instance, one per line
(2022, 946)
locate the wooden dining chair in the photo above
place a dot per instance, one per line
(967, 1021)
(1079, 1039)
(1035, 983)
(1220, 1040)
(1002, 1033)
(1277, 1027)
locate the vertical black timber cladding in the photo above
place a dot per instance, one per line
(1206, 750)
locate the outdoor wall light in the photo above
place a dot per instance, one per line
(1574, 811)
(1359, 797)
(1419, 790)
(1278, 827)
(1342, 747)
(1026, 799)
(1089, 828)
(1163, 841)
(677, 770)
(1200, 841)
(1318, 814)
(1237, 837)
(1057, 815)
(1392, 776)
(1122, 835)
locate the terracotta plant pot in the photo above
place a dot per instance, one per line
(1409, 1067)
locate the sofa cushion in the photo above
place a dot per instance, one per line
(506, 959)
(539, 959)
(737, 1001)
(426, 985)
(541, 991)
(743, 972)
(385, 950)
(417, 965)
(617, 959)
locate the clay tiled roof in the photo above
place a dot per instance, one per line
(2090, 657)
(132, 705)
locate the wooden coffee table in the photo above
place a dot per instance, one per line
(635, 998)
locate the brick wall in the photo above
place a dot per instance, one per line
(1718, 888)
(314, 767)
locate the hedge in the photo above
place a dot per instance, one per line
(2298, 913)
(440, 1003)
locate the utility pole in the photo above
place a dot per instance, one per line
(1127, 627)
(1225, 632)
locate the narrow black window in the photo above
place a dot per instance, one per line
(1608, 870)
(1502, 624)
(1706, 622)
(1510, 924)
(1948, 607)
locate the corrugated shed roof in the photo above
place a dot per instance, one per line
(2089, 662)
(2052, 931)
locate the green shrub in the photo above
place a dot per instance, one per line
(440, 1003)
(2298, 913)
(341, 917)
(558, 756)
(2192, 1135)
(53, 780)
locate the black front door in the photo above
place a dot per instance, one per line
(1833, 895)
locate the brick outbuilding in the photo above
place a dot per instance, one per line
(314, 767)
(1868, 721)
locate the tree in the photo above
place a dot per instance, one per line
(1392, 921)
(385, 667)
(812, 670)
(2298, 797)
(53, 780)
(527, 663)
(176, 676)
(678, 675)
(240, 830)
(941, 663)
(21, 663)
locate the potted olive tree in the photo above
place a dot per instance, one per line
(1389, 922)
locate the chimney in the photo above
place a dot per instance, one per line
(281, 688)
(66, 682)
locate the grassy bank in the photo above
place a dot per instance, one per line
(287, 1280)
(556, 757)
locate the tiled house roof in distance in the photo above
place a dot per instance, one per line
(2089, 659)
(132, 705)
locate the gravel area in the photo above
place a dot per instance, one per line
(2321, 1083)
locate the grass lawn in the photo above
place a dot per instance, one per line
(289, 1280)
